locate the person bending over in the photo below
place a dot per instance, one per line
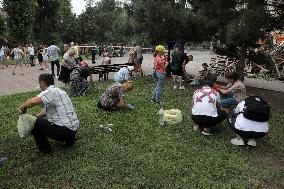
(122, 75)
(67, 65)
(61, 121)
(78, 80)
(206, 112)
(113, 98)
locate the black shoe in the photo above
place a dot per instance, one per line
(45, 150)
(70, 143)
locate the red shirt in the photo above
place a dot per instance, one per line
(160, 60)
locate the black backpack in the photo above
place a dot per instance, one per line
(256, 109)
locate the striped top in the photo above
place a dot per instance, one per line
(59, 108)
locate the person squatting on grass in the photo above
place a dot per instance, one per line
(249, 120)
(206, 110)
(160, 64)
(113, 98)
(61, 121)
(234, 92)
(209, 73)
(122, 75)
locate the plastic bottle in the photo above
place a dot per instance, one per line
(161, 116)
(107, 127)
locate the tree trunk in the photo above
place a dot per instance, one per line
(241, 63)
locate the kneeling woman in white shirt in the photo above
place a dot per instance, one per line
(245, 128)
(206, 112)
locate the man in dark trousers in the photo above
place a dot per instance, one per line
(94, 52)
(57, 119)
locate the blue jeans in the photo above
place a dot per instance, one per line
(157, 91)
(228, 100)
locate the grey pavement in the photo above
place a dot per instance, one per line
(12, 84)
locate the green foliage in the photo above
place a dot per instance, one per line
(250, 25)
(103, 22)
(139, 153)
(147, 22)
(20, 18)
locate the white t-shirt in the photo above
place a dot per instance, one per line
(245, 124)
(17, 53)
(205, 100)
(31, 51)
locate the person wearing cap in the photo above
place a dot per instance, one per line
(67, 66)
(160, 64)
(178, 66)
(78, 80)
(113, 98)
(122, 75)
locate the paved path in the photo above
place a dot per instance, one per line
(11, 84)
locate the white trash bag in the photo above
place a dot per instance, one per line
(25, 125)
(173, 116)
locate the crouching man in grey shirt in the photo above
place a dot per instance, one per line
(61, 121)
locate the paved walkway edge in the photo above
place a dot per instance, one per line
(261, 84)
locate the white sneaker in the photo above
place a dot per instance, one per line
(238, 142)
(195, 127)
(206, 133)
(182, 88)
(175, 87)
(251, 142)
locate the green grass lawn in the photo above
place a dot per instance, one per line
(139, 153)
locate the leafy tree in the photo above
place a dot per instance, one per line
(69, 28)
(104, 21)
(251, 24)
(47, 22)
(20, 19)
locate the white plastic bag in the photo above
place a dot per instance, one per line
(173, 116)
(25, 125)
